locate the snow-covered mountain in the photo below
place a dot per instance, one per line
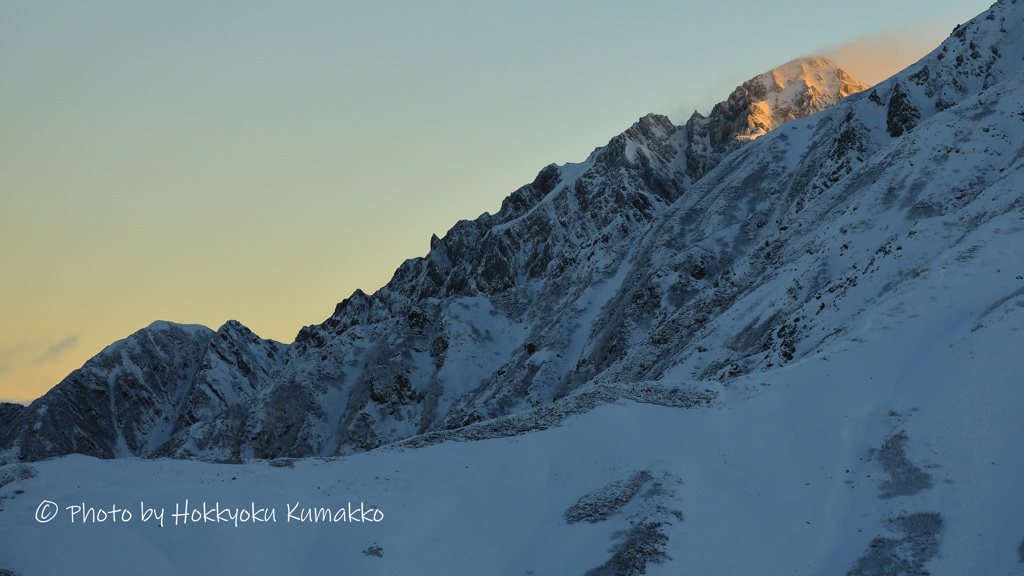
(130, 398)
(493, 320)
(789, 352)
(794, 90)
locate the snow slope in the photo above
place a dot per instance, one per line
(810, 469)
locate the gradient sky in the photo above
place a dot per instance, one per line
(198, 161)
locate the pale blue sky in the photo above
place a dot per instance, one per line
(197, 161)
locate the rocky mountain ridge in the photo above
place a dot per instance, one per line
(669, 254)
(130, 398)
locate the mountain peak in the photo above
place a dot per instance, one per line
(794, 90)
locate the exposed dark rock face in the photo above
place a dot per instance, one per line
(8, 413)
(903, 114)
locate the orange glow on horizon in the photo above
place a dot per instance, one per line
(871, 58)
